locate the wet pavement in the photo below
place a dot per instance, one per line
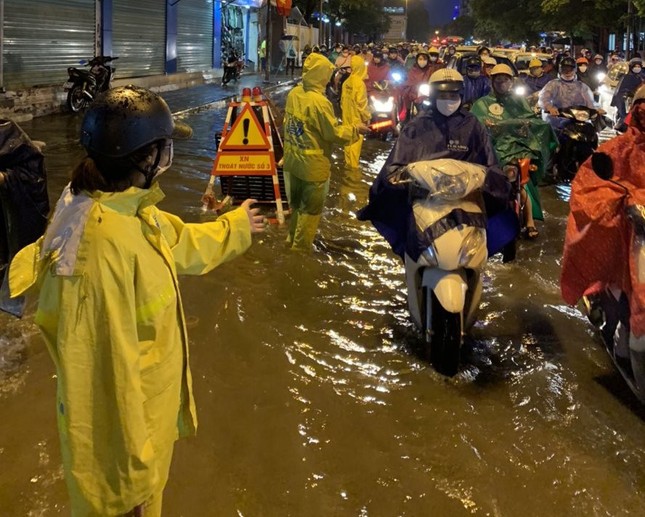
(312, 398)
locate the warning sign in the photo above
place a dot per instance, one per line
(247, 134)
(257, 163)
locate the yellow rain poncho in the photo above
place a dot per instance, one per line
(311, 130)
(111, 315)
(355, 108)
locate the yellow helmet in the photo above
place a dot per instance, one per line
(502, 69)
(433, 50)
(535, 62)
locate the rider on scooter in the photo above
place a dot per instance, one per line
(536, 139)
(564, 92)
(447, 131)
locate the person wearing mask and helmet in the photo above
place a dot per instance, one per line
(476, 85)
(419, 74)
(583, 72)
(626, 86)
(110, 309)
(344, 59)
(338, 50)
(488, 62)
(537, 79)
(564, 92)
(531, 136)
(394, 59)
(598, 70)
(436, 63)
(310, 132)
(355, 110)
(377, 71)
(411, 58)
(443, 130)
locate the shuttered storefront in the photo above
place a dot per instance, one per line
(194, 35)
(44, 37)
(139, 37)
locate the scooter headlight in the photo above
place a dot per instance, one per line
(449, 187)
(580, 115)
(600, 76)
(520, 90)
(424, 90)
(383, 106)
(474, 243)
(397, 77)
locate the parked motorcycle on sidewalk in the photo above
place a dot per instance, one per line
(83, 85)
(233, 70)
(578, 139)
(609, 310)
(444, 284)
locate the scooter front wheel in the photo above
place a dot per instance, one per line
(76, 100)
(442, 334)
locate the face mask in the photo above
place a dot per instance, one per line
(568, 77)
(422, 63)
(433, 58)
(473, 74)
(582, 68)
(637, 69)
(447, 107)
(503, 87)
(598, 62)
(165, 160)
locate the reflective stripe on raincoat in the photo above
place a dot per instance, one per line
(111, 315)
(310, 127)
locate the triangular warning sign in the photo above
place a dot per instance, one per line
(246, 134)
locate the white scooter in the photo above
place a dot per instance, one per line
(444, 284)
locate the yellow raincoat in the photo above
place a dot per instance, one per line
(111, 315)
(311, 131)
(355, 108)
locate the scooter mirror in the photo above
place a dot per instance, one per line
(602, 165)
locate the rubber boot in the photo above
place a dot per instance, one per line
(306, 229)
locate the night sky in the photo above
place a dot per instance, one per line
(440, 11)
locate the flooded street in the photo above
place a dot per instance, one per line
(312, 397)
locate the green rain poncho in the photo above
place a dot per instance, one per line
(517, 132)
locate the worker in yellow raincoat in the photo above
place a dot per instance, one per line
(355, 109)
(311, 129)
(110, 309)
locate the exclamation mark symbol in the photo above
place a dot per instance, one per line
(245, 125)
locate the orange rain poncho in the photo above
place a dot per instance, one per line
(597, 250)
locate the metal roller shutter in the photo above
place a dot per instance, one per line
(139, 37)
(194, 35)
(44, 37)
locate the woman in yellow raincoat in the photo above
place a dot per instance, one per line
(310, 131)
(355, 109)
(110, 308)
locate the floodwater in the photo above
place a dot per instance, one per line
(312, 397)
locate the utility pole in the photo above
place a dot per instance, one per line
(267, 66)
(629, 29)
(321, 36)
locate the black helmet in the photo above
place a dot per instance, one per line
(473, 61)
(568, 61)
(393, 50)
(125, 119)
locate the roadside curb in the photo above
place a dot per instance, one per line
(268, 88)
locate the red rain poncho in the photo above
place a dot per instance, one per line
(599, 234)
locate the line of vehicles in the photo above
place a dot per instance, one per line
(444, 285)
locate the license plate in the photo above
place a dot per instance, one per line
(68, 85)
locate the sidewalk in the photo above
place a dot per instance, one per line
(185, 100)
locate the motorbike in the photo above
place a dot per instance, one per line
(83, 85)
(609, 310)
(334, 88)
(578, 139)
(383, 104)
(444, 283)
(233, 71)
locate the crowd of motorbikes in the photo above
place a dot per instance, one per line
(444, 284)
